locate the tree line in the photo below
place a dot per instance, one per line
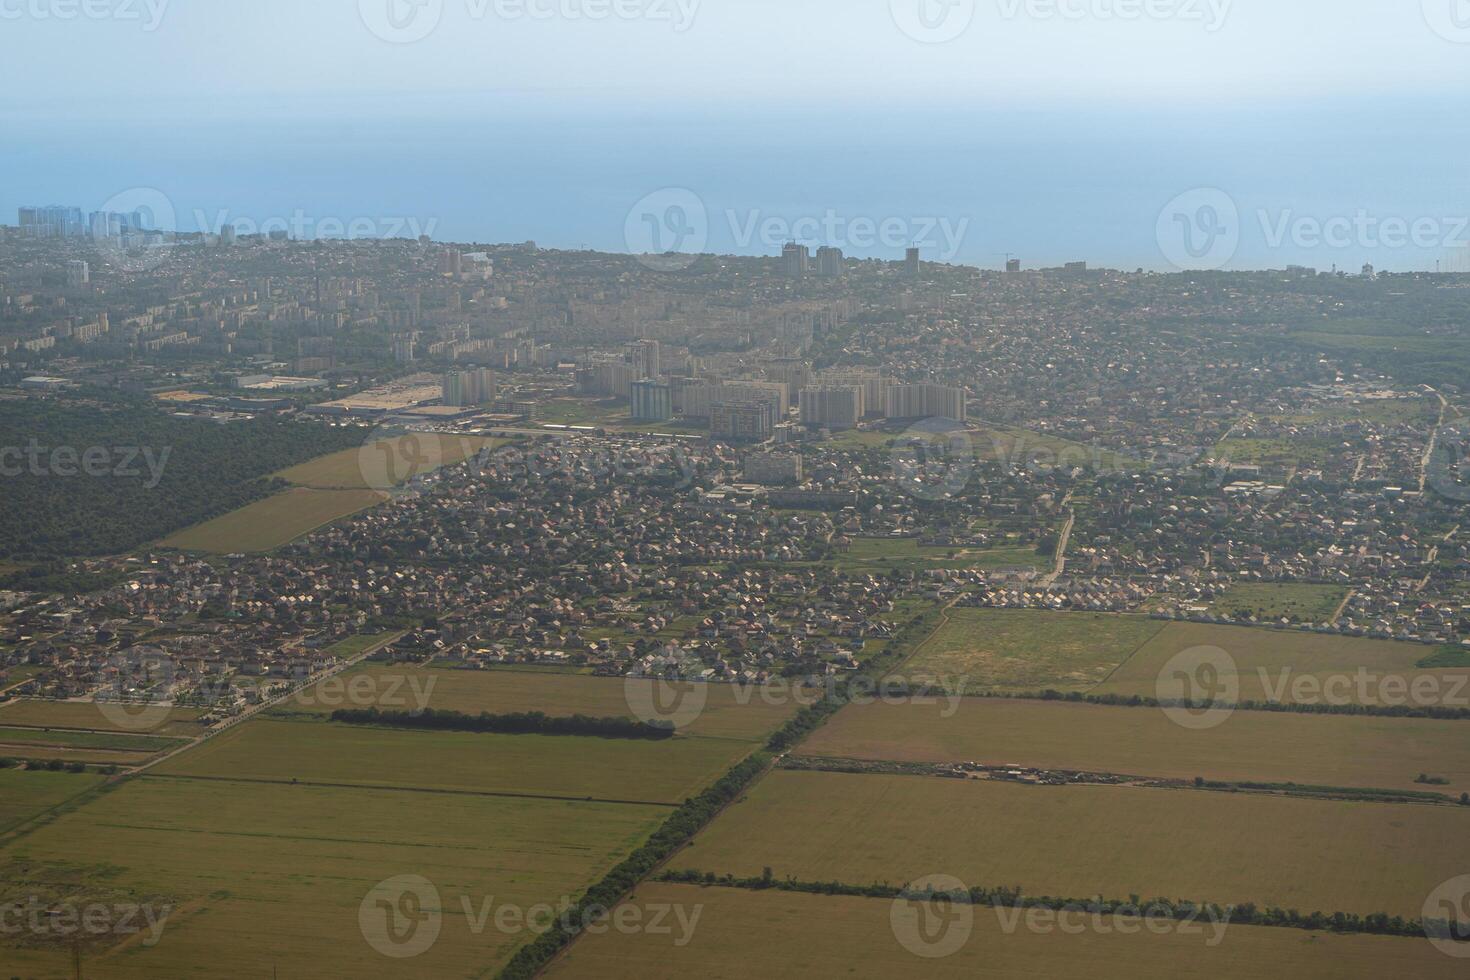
(524, 723)
(1248, 914)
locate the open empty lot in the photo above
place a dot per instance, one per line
(267, 524)
(1082, 841)
(784, 935)
(728, 712)
(1272, 601)
(1024, 650)
(1325, 750)
(274, 877)
(1267, 661)
(378, 465)
(534, 765)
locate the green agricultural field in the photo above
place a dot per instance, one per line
(1325, 750)
(14, 676)
(24, 794)
(270, 523)
(1027, 650)
(789, 936)
(367, 467)
(1282, 453)
(1299, 666)
(86, 716)
(729, 712)
(354, 645)
(884, 554)
(277, 879)
(1087, 840)
(1273, 601)
(93, 748)
(580, 411)
(533, 765)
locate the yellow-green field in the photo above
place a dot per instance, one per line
(1281, 600)
(404, 686)
(1320, 750)
(24, 794)
(1266, 658)
(884, 554)
(1025, 650)
(779, 935)
(268, 878)
(85, 716)
(270, 523)
(536, 765)
(387, 461)
(1082, 841)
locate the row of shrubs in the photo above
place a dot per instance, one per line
(1248, 914)
(53, 765)
(526, 723)
(1140, 701)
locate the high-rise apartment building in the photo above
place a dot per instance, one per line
(829, 262)
(794, 259)
(926, 401)
(466, 388)
(832, 406)
(653, 401)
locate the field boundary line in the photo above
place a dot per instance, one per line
(404, 789)
(1124, 662)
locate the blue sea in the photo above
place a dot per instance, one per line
(1324, 183)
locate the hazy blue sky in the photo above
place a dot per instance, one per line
(1053, 128)
(222, 55)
